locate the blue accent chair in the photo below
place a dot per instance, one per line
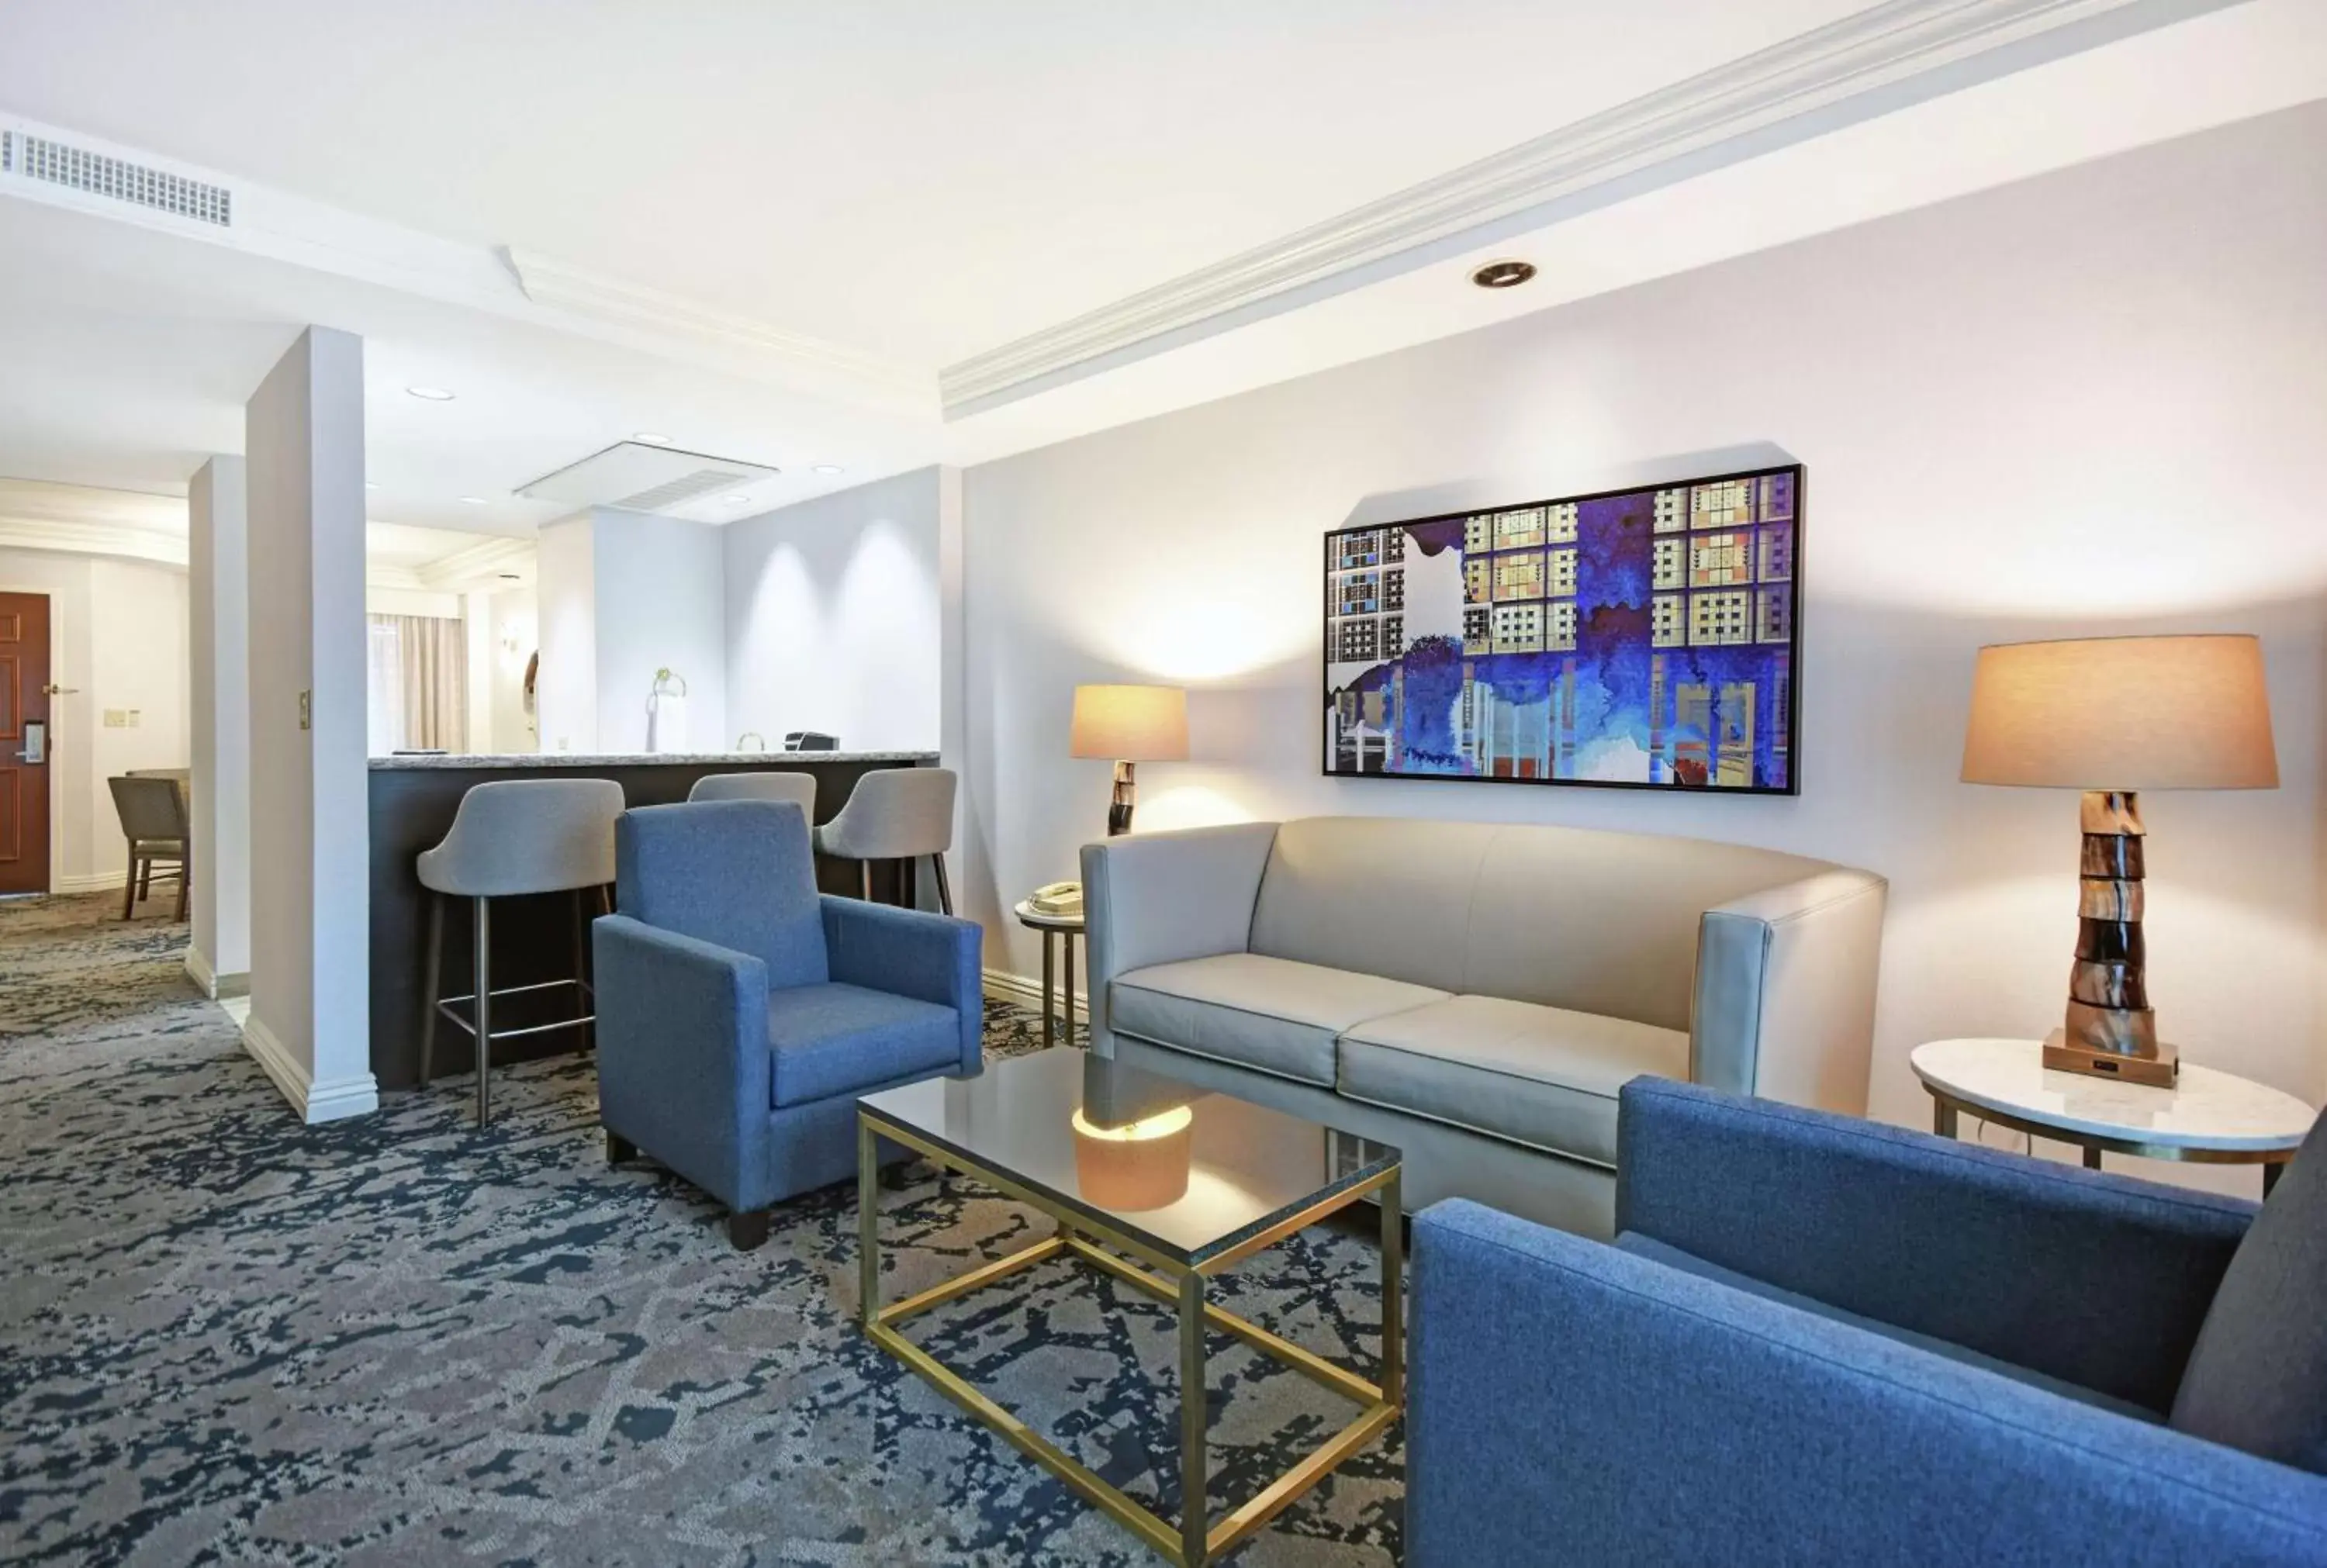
(741, 1012)
(1823, 1340)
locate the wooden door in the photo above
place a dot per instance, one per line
(27, 743)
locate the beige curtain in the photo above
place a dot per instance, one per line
(432, 669)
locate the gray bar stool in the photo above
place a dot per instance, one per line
(800, 788)
(894, 814)
(510, 838)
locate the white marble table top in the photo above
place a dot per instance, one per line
(1029, 915)
(2207, 1109)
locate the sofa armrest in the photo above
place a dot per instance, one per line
(1157, 898)
(1573, 1403)
(1784, 1001)
(683, 1066)
(911, 953)
(2100, 1280)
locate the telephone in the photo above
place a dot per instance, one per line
(1065, 898)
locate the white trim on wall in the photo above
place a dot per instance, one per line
(330, 1101)
(1878, 60)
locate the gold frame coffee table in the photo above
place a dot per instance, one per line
(1187, 1181)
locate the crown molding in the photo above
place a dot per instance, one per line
(481, 562)
(561, 286)
(1881, 59)
(81, 537)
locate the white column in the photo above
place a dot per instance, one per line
(218, 592)
(477, 628)
(310, 920)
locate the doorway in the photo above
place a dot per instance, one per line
(27, 743)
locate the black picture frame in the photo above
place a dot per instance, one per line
(1794, 644)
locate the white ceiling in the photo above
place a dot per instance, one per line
(923, 179)
(748, 227)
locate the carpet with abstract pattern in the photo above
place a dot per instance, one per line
(225, 1338)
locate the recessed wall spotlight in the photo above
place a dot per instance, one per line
(1503, 274)
(830, 467)
(652, 437)
(430, 394)
(474, 500)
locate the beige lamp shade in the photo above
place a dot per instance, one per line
(2122, 713)
(1131, 723)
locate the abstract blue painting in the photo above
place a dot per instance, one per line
(1643, 639)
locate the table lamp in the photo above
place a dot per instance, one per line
(2112, 715)
(1128, 726)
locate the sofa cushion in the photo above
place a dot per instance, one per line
(1689, 1262)
(831, 1040)
(1270, 1013)
(1539, 1076)
(2256, 1378)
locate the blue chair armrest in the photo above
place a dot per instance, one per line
(1573, 1403)
(911, 953)
(683, 1064)
(2100, 1280)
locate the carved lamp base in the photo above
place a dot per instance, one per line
(1125, 797)
(2110, 1031)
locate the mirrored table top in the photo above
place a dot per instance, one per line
(1188, 1171)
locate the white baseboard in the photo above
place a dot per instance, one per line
(96, 881)
(315, 1102)
(1004, 986)
(215, 985)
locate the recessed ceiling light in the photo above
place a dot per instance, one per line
(652, 437)
(474, 500)
(828, 468)
(431, 394)
(1503, 274)
(737, 500)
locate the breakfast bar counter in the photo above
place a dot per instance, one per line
(413, 800)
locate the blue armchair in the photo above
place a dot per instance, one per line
(741, 1013)
(1818, 1339)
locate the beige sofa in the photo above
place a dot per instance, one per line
(1474, 993)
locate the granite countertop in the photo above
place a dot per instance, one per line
(772, 760)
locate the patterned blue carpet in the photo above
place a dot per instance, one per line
(228, 1339)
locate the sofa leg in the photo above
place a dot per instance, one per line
(619, 1149)
(748, 1229)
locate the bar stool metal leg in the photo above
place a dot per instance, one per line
(865, 879)
(435, 990)
(582, 970)
(945, 891)
(484, 1011)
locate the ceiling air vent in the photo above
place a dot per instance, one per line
(120, 180)
(641, 478)
(7, 152)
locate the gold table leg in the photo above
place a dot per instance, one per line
(1194, 1540)
(1195, 1514)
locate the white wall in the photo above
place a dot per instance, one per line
(566, 690)
(836, 617)
(120, 638)
(218, 582)
(514, 642)
(660, 605)
(2089, 403)
(310, 916)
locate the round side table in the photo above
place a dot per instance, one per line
(1062, 930)
(2207, 1118)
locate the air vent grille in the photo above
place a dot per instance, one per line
(121, 180)
(685, 488)
(7, 152)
